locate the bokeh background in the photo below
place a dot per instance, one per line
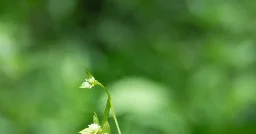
(172, 66)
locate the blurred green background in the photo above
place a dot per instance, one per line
(172, 66)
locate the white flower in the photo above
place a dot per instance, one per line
(86, 84)
(91, 80)
(92, 129)
(89, 83)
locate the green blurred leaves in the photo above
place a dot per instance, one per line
(188, 65)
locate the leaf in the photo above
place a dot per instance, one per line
(106, 112)
(89, 75)
(106, 128)
(96, 119)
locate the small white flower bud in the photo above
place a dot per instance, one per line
(92, 129)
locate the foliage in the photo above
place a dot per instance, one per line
(172, 66)
(89, 83)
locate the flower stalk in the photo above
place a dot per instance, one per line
(91, 82)
(109, 102)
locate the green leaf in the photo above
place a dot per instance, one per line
(106, 128)
(96, 119)
(89, 75)
(106, 112)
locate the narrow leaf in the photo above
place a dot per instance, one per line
(88, 74)
(106, 128)
(106, 112)
(96, 119)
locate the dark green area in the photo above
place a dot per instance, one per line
(172, 66)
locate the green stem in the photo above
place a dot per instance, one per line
(114, 115)
(111, 105)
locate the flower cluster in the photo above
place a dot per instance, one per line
(89, 83)
(95, 128)
(92, 129)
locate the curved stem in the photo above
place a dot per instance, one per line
(111, 105)
(114, 116)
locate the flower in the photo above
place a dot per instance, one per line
(92, 129)
(86, 84)
(91, 80)
(89, 83)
